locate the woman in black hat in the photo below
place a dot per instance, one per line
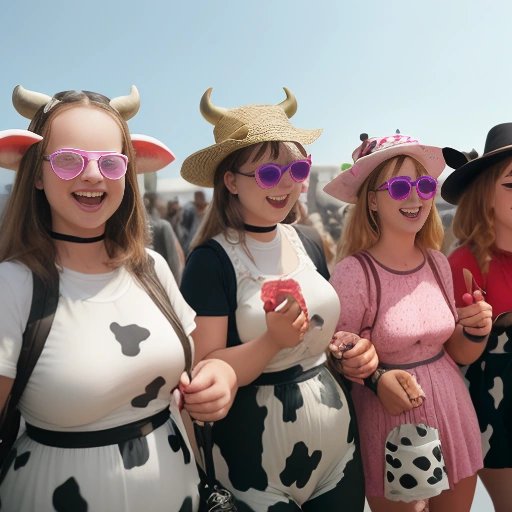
(482, 189)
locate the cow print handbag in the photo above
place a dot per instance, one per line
(414, 463)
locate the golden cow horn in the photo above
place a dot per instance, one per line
(127, 106)
(209, 111)
(27, 103)
(289, 105)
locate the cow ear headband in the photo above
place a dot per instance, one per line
(150, 153)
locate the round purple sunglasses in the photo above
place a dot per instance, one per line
(270, 174)
(68, 163)
(400, 187)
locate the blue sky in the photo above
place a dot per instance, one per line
(437, 70)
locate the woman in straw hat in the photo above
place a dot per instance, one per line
(289, 441)
(395, 288)
(102, 431)
(482, 190)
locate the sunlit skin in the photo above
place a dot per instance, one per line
(502, 206)
(90, 129)
(265, 207)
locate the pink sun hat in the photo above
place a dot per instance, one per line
(372, 152)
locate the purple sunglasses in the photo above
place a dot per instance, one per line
(68, 163)
(269, 175)
(400, 187)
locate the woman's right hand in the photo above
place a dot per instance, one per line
(399, 391)
(287, 325)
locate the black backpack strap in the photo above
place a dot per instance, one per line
(45, 298)
(369, 268)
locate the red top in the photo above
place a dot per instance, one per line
(497, 283)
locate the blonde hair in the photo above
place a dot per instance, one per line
(362, 229)
(225, 212)
(473, 224)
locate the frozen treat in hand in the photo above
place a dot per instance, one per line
(275, 292)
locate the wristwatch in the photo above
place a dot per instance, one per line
(372, 381)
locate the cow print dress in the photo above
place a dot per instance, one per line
(289, 438)
(490, 377)
(111, 358)
(413, 322)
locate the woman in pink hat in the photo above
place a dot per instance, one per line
(103, 432)
(482, 190)
(395, 289)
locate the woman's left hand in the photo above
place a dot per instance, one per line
(476, 317)
(212, 390)
(359, 362)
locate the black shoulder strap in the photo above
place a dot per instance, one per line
(45, 298)
(368, 266)
(314, 251)
(227, 264)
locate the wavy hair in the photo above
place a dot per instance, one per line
(473, 224)
(362, 230)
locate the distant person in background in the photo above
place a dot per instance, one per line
(193, 214)
(175, 216)
(163, 239)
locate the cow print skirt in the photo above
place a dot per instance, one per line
(156, 473)
(289, 439)
(490, 387)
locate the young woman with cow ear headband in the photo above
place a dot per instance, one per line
(103, 431)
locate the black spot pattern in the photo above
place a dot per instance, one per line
(395, 463)
(11, 457)
(21, 460)
(329, 392)
(186, 506)
(300, 465)
(239, 438)
(67, 497)
(291, 398)
(391, 447)
(422, 463)
(135, 452)
(436, 476)
(129, 337)
(151, 393)
(408, 481)
(390, 477)
(176, 442)
(436, 452)
(406, 441)
(422, 432)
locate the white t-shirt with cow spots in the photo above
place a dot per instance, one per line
(111, 357)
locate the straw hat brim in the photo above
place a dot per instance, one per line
(347, 184)
(199, 168)
(458, 181)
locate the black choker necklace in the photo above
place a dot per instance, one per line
(76, 239)
(259, 229)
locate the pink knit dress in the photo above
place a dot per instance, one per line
(413, 322)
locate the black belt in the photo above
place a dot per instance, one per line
(291, 375)
(97, 438)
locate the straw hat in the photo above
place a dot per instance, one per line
(240, 127)
(372, 152)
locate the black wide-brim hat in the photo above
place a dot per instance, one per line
(498, 146)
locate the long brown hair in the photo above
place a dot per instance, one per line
(25, 226)
(362, 228)
(224, 211)
(473, 224)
